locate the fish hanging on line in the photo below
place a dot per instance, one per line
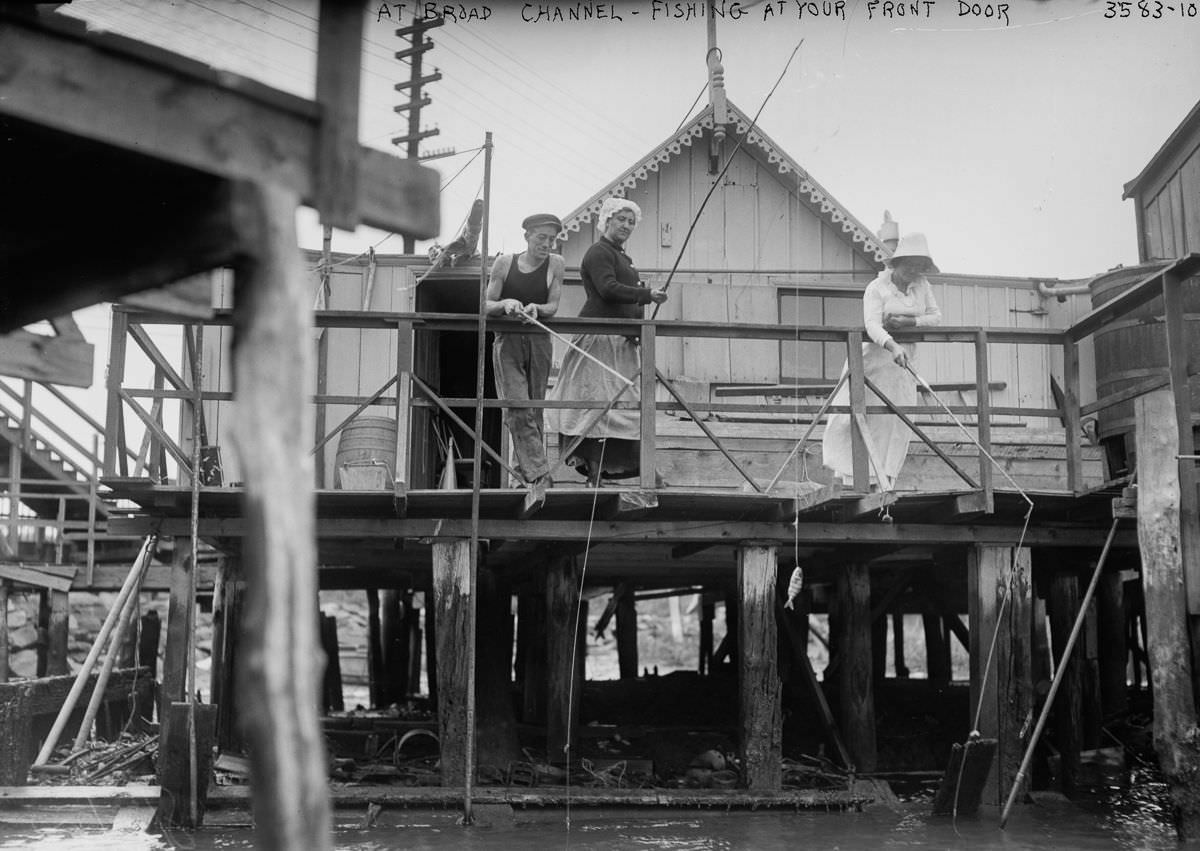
(794, 585)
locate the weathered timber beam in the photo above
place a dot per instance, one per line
(666, 532)
(135, 98)
(1140, 293)
(339, 54)
(193, 233)
(54, 360)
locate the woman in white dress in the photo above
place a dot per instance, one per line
(901, 297)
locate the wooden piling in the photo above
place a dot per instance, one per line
(708, 610)
(936, 658)
(627, 632)
(854, 677)
(392, 669)
(531, 649)
(495, 718)
(451, 598)
(58, 634)
(1063, 607)
(228, 597)
(1004, 700)
(375, 675)
(564, 673)
(3, 631)
(147, 657)
(279, 672)
(759, 688)
(1161, 544)
(898, 660)
(181, 621)
(332, 699)
(1114, 650)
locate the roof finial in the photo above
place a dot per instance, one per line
(889, 231)
(716, 83)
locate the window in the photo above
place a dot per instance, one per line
(808, 360)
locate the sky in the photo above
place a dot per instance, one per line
(1006, 139)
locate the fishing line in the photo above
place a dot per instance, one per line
(571, 344)
(717, 181)
(1000, 610)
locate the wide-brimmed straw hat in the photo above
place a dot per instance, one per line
(914, 245)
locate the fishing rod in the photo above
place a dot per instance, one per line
(717, 181)
(974, 735)
(1059, 674)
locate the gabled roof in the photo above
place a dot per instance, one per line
(757, 143)
(1181, 138)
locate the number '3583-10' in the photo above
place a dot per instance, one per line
(1148, 9)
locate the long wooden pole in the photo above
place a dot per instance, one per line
(477, 466)
(114, 614)
(1059, 674)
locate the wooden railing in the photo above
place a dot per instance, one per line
(407, 384)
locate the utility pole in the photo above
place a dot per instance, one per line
(418, 46)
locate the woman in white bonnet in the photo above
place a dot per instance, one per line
(900, 297)
(614, 289)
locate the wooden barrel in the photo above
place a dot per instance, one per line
(1133, 349)
(366, 443)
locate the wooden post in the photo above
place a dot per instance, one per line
(759, 688)
(1063, 608)
(180, 624)
(389, 639)
(375, 675)
(280, 671)
(935, 646)
(147, 657)
(1071, 417)
(495, 718)
(414, 643)
(531, 619)
(1160, 541)
(708, 613)
(984, 401)
(879, 648)
(854, 678)
(431, 657)
(898, 660)
(627, 647)
(228, 596)
(564, 676)
(332, 681)
(3, 631)
(649, 388)
(1114, 651)
(1004, 700)
(451, 597)
(58, 634)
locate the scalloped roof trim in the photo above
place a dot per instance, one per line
(816, 194)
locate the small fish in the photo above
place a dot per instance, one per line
(794, 586)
